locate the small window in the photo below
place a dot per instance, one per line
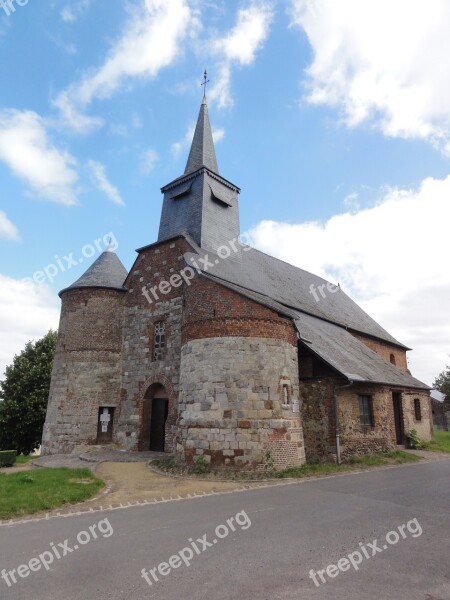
(286, 394)
(159, 340)
(392, 359)
(417, 410)
(365, 411)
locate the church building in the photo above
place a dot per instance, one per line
(209, 347)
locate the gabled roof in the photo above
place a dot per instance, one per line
(290, 288)
(202, 152)
(106, 272)
(350, 357)
(324, 327)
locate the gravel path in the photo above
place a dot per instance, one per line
(89, 459)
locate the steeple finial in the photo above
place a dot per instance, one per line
(205, 83)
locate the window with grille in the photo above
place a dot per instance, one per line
(366, 411)
(417, 410)
(159, 340)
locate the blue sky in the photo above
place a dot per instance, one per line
(331, 116)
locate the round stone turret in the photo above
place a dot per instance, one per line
(86, 379)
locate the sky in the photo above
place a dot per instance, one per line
(332, 116)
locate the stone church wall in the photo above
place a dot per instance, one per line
(355, 439)
(424, 427)
(140, 371)
(231, 403)
(86, 371)
(238, 382)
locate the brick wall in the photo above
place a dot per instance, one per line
(86, 370)
(212, 310)
(384, 349)
(140, 371)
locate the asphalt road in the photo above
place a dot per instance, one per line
(294, 528)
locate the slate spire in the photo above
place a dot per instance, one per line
(202, 152)
(201, 203)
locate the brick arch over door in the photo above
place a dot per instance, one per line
(156, 381)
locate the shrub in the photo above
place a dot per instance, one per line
(7, 458)
(269, 461)
(201, 465)
(414, 440)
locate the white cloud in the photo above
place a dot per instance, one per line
(218, 134)
(7, 229)
(27, 312)
(149, 160)
(392, 259)
(185, 142)
(100, 179)
(151, 41)
(239, 46)
(381, 62)
(28, 151)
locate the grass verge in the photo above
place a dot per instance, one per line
(24, 460)
(440, 443)
(44, 489)
(371, 460)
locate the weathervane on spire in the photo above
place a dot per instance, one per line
(205, 82)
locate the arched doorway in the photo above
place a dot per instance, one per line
(156, 409)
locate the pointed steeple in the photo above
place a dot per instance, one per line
(201, 203)
(202, 152)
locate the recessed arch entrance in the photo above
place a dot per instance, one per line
(156, 410)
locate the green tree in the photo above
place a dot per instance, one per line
(442, 382)
(24, 395)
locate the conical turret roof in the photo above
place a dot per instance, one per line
(106, 272)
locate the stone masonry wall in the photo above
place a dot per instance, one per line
(424, 427)
(232, 407)
(316, 397)
(355, 439)
(86, 371)
(140, 371)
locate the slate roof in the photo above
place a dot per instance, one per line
(290, 287)
(106, 272)
(202, 152)
(352, 358)
(323, 326)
